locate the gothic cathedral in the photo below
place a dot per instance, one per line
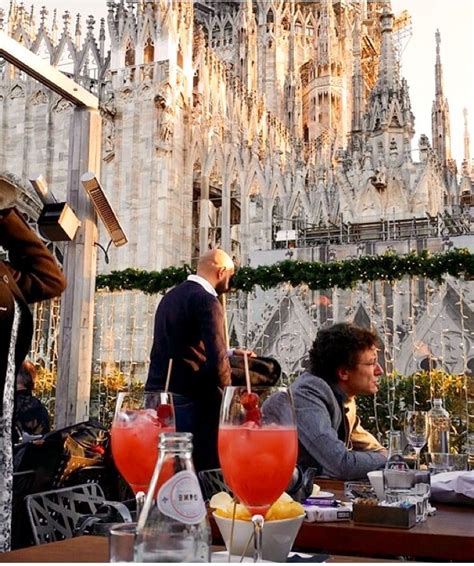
(274, 129)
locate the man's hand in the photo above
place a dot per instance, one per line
(243, 351)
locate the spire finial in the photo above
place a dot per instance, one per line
(467, 148)
(90, 24)
(43, 15)
(67, 21)
(78, 25)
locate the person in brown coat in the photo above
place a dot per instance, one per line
(30, 274)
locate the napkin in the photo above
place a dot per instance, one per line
(453, 487)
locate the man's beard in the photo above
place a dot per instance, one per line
(222, 287)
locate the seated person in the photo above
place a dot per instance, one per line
(343, 364)
(30, 414)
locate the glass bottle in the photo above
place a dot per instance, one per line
(440, 423)
(173, 526)
(395, 458)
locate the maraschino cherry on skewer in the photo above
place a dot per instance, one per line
(249, 400)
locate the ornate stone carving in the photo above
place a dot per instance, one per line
(62, 106)
(109, 139)
(126, 96)
(39, 97)
(165, 119)
(17, 91)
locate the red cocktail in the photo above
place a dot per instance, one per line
(258, 447)
(257, 462)
(134, 435)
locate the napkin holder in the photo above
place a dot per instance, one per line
(394, 517)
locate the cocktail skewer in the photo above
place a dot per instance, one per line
(168, 376)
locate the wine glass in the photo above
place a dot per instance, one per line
(139, 419)
(258, 446)
(416, 431)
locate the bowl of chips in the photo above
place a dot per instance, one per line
(281, 526)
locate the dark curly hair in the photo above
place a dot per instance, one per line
(338, 346)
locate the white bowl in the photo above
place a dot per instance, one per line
(277, 537)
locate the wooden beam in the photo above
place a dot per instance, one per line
(37, 68)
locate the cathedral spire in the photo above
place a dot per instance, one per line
(389, 119)
(357, 78)
(292, 80)
(438, 66)
(327, 34)
(466, 188)
(467, 145)
(388, 76)
(440, 120)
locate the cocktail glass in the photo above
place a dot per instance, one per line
(140, 417)
(258, 446)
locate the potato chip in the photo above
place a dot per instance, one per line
(220, 500)
(283, 508)
(316, 490)
(241, 512)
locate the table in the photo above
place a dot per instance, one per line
(448, 535)
(93, 549)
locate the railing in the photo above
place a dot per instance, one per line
(383, 230)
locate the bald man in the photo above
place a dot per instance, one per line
(189, 328)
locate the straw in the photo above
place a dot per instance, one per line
(247, 376)
(170, 365)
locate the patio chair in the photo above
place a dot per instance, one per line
(212, 481)
(56, 514)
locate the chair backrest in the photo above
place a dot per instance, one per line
(212, 481)
(54, 514)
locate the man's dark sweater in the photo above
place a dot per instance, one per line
(189, 328)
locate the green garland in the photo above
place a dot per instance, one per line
(343, 274)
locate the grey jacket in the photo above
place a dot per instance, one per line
(319, 416)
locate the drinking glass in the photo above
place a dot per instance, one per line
(139, 419)
(122, 542)
(416, 431)
(258, 446)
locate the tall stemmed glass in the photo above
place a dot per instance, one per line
(416, 431)
(258, 446)
(140, 417)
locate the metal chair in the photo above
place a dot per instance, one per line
(212, 481)
(55, 514)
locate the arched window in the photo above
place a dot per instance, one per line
(129, 55)
(228, 34)
(149, 51)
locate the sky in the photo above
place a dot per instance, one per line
(454, 19)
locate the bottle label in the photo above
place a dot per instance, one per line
(180, 498)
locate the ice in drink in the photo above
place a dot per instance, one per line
(134, 437)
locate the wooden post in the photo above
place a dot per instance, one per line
(77, 308)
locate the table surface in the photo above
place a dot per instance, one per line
(94, 549)
(448, 535)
